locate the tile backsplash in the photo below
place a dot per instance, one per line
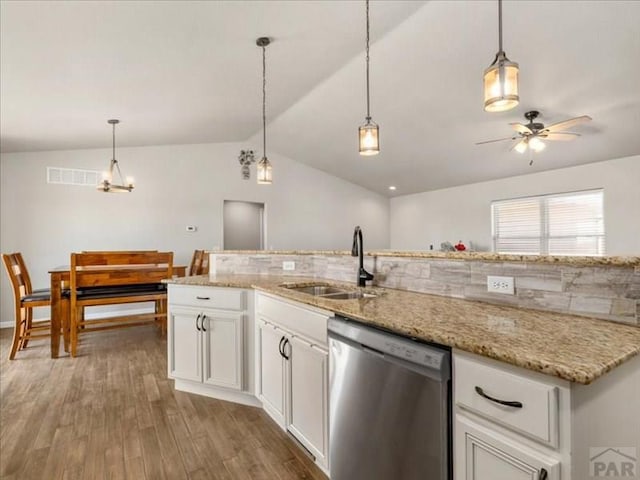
(608, 292)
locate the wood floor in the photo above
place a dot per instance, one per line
(113, 413)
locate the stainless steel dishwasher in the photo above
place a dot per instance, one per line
(390, 406)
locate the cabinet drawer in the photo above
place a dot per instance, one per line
(207, 297)
(312, 325)
(536, 418)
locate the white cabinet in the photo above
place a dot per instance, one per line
(507, 422)
(206, 346)
(309, 395)
(210, 345)
(271, 388)
(484, 454)
(185, 344)
(545, 428)
(222, 348)
(293, 372)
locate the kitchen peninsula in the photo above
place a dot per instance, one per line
(577, 376)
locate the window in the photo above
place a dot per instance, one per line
(559, 224)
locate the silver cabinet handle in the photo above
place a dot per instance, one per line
(508, 403)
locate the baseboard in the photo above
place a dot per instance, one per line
(96, 315)
(216, 392)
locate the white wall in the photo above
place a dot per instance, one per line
(176, 186)
(464, 213)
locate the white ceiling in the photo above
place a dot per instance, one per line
(189, 72)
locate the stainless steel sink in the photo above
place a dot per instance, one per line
(349, 295)
(329, 292)
(317, 290)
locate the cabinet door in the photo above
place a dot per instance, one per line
(222, 342)
(309, 396)
(271, 384)
(184, 345)
(482, 454)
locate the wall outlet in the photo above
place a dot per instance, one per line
(500, 285)
(288, 265)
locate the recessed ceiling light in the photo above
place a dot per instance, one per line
(392, 187)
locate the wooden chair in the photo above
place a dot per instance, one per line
(199, 263)
(113, 278)
(25, 300)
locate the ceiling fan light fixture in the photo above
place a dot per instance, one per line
(536, 144)
(501, 78)
(521, 146)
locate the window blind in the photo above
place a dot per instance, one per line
(559, 224)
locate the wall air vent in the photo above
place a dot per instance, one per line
(73, 176)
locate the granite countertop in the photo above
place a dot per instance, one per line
(574, 348)
(613, 261)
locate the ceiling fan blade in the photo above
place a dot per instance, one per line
(497, 140)
(520, 128)
(563, 136)
(556, 127)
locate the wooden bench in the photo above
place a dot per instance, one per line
(113, 278)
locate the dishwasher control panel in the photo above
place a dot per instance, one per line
(390, 344)
(414, 354)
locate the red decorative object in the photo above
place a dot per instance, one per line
(460, 246)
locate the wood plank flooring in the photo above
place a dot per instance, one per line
(113, 413)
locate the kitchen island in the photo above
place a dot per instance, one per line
(574, 348)
(533, 392)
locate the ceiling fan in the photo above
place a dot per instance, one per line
(529, 136)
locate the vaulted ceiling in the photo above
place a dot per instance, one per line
(190, 72)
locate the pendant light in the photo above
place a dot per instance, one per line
(264, 174)
(368, 134)
(107, 184)
(501, 78)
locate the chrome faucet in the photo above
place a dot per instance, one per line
(358, 251)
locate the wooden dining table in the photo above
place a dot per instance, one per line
(60, 277)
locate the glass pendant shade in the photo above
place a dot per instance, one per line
(264, 174)
(536, 144)
(369, 143)
(521, 147)
(501, 85)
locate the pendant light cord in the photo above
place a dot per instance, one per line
(114, 162)
(367, 57)
(264, 103)
(499, 25)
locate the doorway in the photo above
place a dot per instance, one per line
(243, 225)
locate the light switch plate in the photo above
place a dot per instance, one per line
(192, 228)
(288, 265)
(500, 285)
